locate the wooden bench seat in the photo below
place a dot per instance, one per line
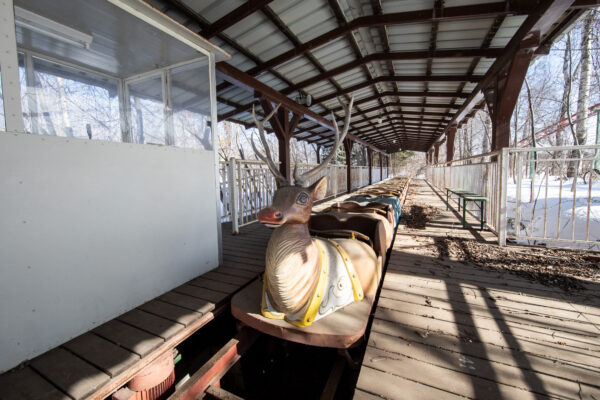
(465, 196)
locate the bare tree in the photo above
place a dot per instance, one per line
(580, 135)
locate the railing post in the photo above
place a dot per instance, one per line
(233, 198)
(503, 171)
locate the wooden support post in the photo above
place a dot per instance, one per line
(284, 128)
(348, 143)
(370, 164)
(450, 135)
(502, 94)
(380, 166)
(319, 154)
(436, 152)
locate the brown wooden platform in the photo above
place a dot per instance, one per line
(97, 363)
(444, 329)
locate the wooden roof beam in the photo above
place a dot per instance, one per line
(410, 17)
(396, 78)
(243, 80)
(403, 55)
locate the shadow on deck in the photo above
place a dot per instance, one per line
(445, 328)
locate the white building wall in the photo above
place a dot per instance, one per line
(92, 229)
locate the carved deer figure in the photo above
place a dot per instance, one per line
(306, 277)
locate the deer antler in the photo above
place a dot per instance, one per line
(301, 180)
(267, 158)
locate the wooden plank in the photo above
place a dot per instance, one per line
(168, 345)
(236, 272)
(256, 269)
(507, 340)
(221, 394)
(191, 303)
(26, 384)
(255, 254)
(393, 387)
(241, 259)
(581, 331)
(170, 312)
(217, 286)
(494, 323)
(398, 281)
(457, 383)
(70, 373)
(225, 278)
(445, 268)
(158, 326)
(488, 279)
(519, 376)
(133, 339)
(101, 353)
(201, 293)
(437, 339)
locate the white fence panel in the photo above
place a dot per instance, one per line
(534, 197)
(546, 204)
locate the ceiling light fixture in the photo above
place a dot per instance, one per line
(37, 23)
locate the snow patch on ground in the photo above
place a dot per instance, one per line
(555, 203)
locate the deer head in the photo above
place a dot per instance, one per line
(292, 204)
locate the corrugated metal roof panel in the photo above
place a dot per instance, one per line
(334, 54)
(509, 27)
(396, 6)
(410, 67)
(450, 66)
(411, 86)
(443, 86)
(483, 65)
(259, 36)
(298, 70)
(308, 19)
(271, 80)
(409, 37)
(212, 10)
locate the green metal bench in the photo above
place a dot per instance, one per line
(465, 196)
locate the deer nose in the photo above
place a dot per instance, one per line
(268, 215)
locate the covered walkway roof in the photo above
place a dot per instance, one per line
(415, 67)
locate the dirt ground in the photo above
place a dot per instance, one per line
(567, 269)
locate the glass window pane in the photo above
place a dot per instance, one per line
(147, 111)
(73, 103)
(2, 121)
(24, 102)
(190, 98)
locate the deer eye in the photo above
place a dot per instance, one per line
(302, 199)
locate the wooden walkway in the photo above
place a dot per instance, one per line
(97, 363)
(444, 329)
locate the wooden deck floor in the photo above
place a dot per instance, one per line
(444, 329)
